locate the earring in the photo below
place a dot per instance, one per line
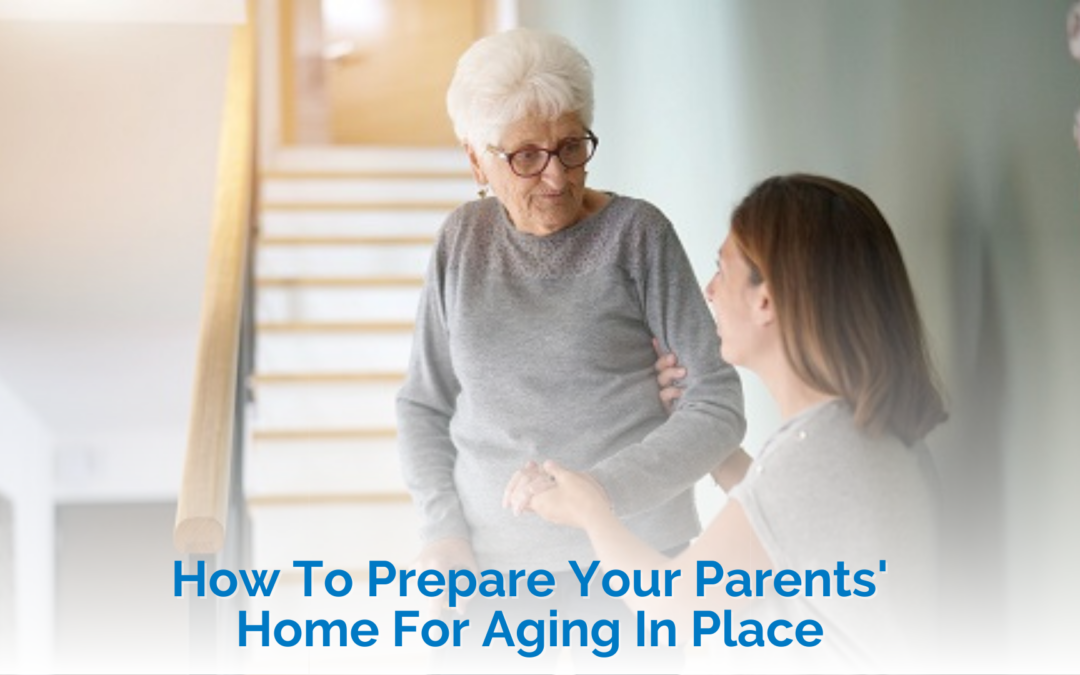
(482, 192)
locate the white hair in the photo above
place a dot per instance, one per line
(508, 76)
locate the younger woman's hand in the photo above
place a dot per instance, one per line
(566, 497)
(668, 375)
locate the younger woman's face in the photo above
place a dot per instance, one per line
(734, 301)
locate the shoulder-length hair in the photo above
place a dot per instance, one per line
(845, 307)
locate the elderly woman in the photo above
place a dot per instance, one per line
(813, 297)
(535, 326)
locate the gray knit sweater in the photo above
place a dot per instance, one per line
(533, 347)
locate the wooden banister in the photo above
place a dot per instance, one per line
(204, 492)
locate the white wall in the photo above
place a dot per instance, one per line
(125, 11)
(956, 118)
(110, 136)
(25, 482)
(110, 133)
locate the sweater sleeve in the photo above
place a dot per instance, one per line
(425, 406)
(708, 423)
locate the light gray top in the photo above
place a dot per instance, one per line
(533, 347)
(821, 491)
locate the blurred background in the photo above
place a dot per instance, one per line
(123, 216)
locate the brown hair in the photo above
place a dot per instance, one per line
(846, 311)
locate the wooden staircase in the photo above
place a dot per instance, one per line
(344, 239)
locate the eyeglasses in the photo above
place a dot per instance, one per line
(531, 161)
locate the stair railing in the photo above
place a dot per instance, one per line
(210, 517)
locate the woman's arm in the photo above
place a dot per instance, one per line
(732, 470)
(570, 498)
(425, 406)
(707, 425)
(669, 374)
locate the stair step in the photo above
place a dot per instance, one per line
(369, 174)
(364, 190)
(336, 327)
(332, 352)
(367, 223)
(336, 303)
(316, 433)
(324, 260)
(340, 158)
(338, 404)
(382, 658)
(342, 281)
(344, 533)
(326, 378)
(276, 466)
(443, 205)
(414, 240)
(322, 498)
(289, 602)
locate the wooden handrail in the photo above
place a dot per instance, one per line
(204, 492)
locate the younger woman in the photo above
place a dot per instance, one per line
(811, 294)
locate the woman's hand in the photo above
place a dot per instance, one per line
(447, 554)
(668, 376)
(560, 496)
(444, 555)
(526, 482)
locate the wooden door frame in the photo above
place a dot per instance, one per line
(277, 69)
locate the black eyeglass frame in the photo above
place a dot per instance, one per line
(509, 156)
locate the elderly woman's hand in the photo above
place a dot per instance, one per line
(559, 495)
(668, 376)
(444, 555)
(526, 482)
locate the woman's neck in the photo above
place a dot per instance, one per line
(594, 202)
(790, 392)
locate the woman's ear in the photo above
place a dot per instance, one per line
(762, 308)
(474, 163)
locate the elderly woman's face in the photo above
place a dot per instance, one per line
(545, 203)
